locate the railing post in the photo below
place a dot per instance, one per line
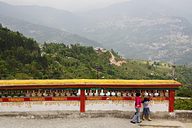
(82, 101)
(171, 100)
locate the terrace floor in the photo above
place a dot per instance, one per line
(99, 122)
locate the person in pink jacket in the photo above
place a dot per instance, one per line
(136, 117)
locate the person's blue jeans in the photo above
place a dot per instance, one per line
(136, 117)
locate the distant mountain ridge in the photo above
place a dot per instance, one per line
(150, 29)
(19, 18)
(163, 38)
(40, 15)
(45, 34)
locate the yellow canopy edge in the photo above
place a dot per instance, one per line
(86, 82)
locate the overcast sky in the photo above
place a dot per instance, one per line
(70, 5)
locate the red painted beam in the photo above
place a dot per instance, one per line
(121, 98)
(73, 98)
(20, 99)
(48, 99)
(171, 100)
(82, 101)
(26, 99)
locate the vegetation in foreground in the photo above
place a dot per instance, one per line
(183, 104)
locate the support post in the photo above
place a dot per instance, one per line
(82, 101)
(171, 100)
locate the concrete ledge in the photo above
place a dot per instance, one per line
(77, 114)
(184, 115)
(177, 115)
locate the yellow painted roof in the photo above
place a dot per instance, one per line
(86, 82)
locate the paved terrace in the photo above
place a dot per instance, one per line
(112, 119)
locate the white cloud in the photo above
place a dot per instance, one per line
(71, 5)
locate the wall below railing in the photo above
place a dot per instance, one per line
(95, 105)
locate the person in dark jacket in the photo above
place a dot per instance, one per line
(146, 110)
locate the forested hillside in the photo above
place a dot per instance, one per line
(20, 57)
(23, 58)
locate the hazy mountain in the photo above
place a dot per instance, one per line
(143, 8)
(150, 29)
(43, 33)
(40, 15)
(162, 38)
(141, 29)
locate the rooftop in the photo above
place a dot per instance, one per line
(89, 83)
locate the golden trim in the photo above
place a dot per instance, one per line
(86, 82)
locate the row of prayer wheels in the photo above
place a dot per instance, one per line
(88, 92)
(127, 93)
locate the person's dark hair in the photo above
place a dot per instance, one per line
(138, 94)
(146, 99)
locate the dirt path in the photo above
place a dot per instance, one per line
(113, 61)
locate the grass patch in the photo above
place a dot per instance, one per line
(183, 104)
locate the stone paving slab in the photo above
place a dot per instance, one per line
(100, 122)
(188, 125)
(162, 123)
(60, 119)
(9, 122)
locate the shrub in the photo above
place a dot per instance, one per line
(183, 104)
